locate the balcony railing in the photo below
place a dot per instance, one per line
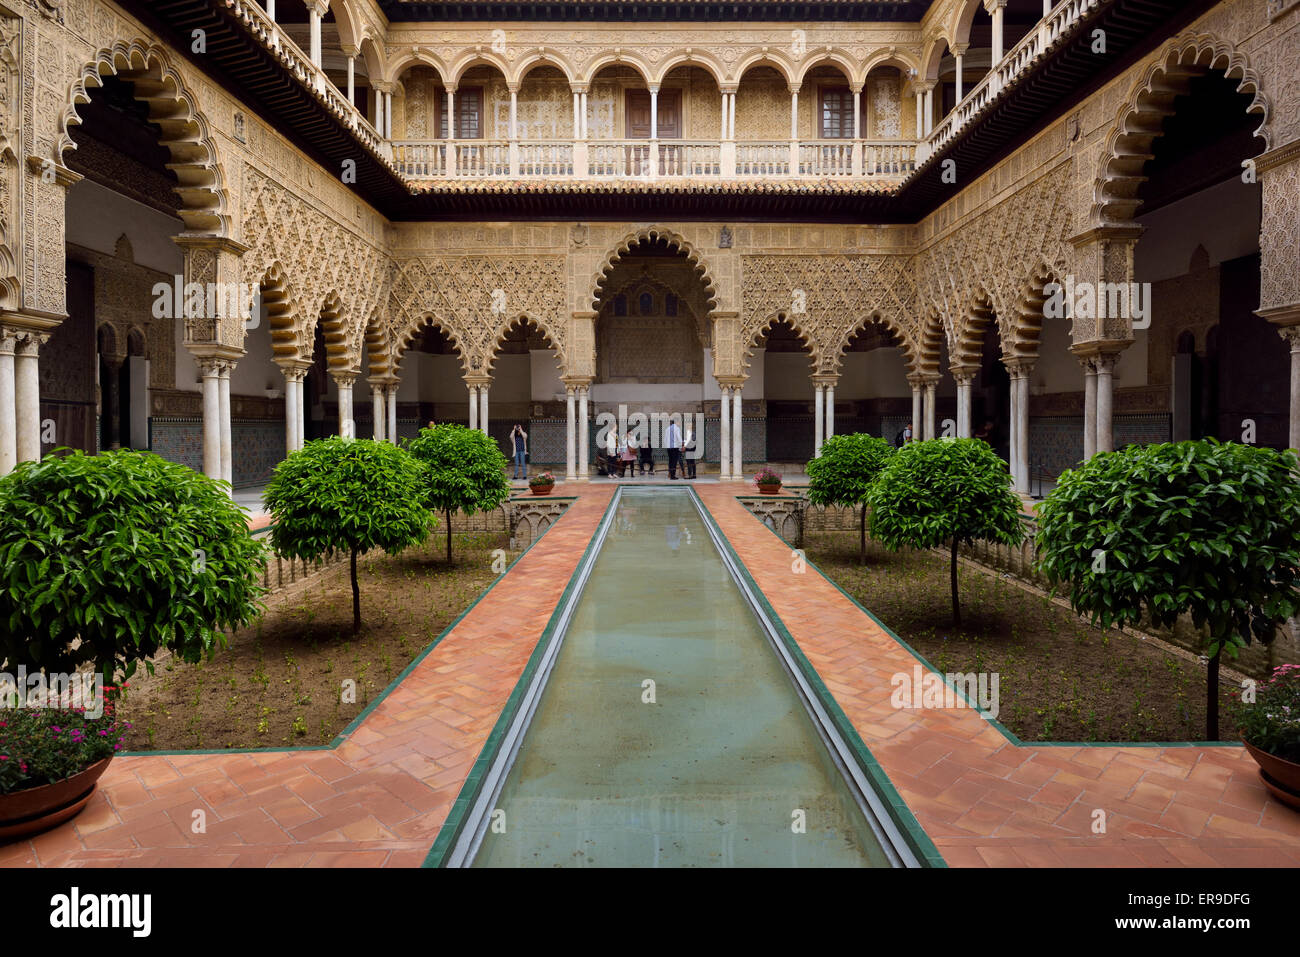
(652, 160)
(1014, 64)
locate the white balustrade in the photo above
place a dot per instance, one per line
(770, 158)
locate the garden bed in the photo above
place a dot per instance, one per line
(1060, 678)
(279, 683)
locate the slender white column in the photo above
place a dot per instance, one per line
(857, 114)
(584, 453)
(315, 13)
(918, 417)
(582, 113)
(27, 396)
(1105, 402)
(794, 114)
(8, 408)
(964, 379)
(959, 89)
(722, 125)
(577, 115)
(352, 77)
(380, 414)
(292, 406)
(211, 371)
(724, 439)
(473, 407)
(513, 132)
(227, 445)
(654, 112)
(929, 110)
(1022, 432)
(920, 114)
(1047, 7)
(570, 435)
(483, 409)
(737, 435)
(379, 111)
(1292, 335)
(819, 392)
(391, 432)
(451, 135)
(731, 117)
(997, 11)
(270, 9)
(388, 114)
(1089, 407)
(829, 424)
(929, 410)
(300, 411)
(347, 421)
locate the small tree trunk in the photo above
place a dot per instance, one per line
(356, 595)
(1212, 698)
(862, 542)
(956, 605)
(448, 536)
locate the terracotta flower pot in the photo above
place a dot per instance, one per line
(769, 489)
(541, 489)
(33, 810)
(1280, 776)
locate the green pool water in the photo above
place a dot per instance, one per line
(717, 763)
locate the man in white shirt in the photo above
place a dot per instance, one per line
(673, 440)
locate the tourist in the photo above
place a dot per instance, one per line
(519, 439)
(647, 458)
(673, 440)
(904, 436)
(629, 455)
(611, 452)
(688, 454)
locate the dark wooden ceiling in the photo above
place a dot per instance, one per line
(572, 11)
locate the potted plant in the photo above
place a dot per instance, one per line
(768, 481)
(1270, 730)
(542, 483)
(50, 759)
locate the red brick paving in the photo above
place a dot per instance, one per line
(380, 798)
(986, 802)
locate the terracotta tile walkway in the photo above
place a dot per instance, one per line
(987, 802)
(380, 798)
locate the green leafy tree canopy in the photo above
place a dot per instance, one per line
(349, 495)
(945, 491)
(845, 472)
(464, 471)
(1205, 528)
(125, 551)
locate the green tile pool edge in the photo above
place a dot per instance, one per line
(389, 689)
(918, 840)
(454, 823)
(1006, 732)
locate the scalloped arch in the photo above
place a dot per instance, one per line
(877, 316)
(810, 344)
(204, 203)
(521, 319)
(652, 234)
(402, 342)
(1140, 120)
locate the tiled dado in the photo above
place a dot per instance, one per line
(257, 445)
(1056, 442)
(379, 796)
(985, 800)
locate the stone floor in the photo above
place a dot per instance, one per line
(382, 795)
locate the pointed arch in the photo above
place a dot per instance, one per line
(185, 131)
(810, 344)
(905, 341)
(1150, 101)
(521, 320)
(412, 330)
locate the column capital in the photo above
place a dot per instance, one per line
(577, 87)
(1282, 316)
(346, 378)
(8, 341)
(958, 49)
(991, 5)
(794, 88)
(1292, 336)
(731, 381)
(1019, 366)
(29, 343)
(214, 367)
(383, 86)
(729, 88)
(349, 50)
(1101, 347)
(221, 244)
(479, 381)
(321, 7)
(964, 375)
(825, 379)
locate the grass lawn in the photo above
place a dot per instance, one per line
(280, 682)
(1060, 678)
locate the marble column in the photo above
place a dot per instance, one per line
(227, 443)
(571, 435)
(210, 369)
(828, 425)
(1106, 402)
(316, 11)
(473, 407)
(819, 393)
(737, 435)
(380, 414)
(1089, 407)
(1018, 446)
(930, 388)
(1292, 336)
(918, 412)
(584, 452)
(391, 431)
(27, 395)
(8, 409)
(483, 409)
(996, 9)
(964, 378)
(724, 439)
(347, 423)
(293, 413)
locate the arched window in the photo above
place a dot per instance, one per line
(620, 305)
(646, 304)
